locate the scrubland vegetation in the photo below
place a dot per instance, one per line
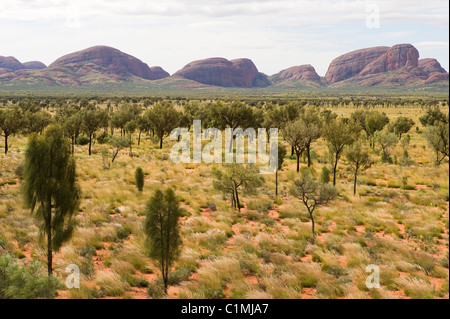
(372, 174)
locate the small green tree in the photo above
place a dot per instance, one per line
(130, 127)
(359, 158)
(295, 133)
(313, 130)
(163, 230)
(386, 141)
(72, 127)
(406, 159)
(139, 178)
(312, 194)
(281, 155)
(92, 120)
(401, 126)
(232, 115)
(234, 177)
(50, 187)
(437, 137)
(359, 117)
(339, 134)
(163, 118)
(375, 122)
(11, 122)
(116, 143)
(433, 116)
(143, 125)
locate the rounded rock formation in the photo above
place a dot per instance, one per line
(159, 72)
(301, 72)
(34, 65)
(108, 58)
(398, 56)
(222, 72)
(431, 66)
(351, 64)
(10, 63)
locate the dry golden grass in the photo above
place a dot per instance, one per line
(265, 252)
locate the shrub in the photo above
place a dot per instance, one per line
(123, 232)
(103, 138)
(139, 178)
(325, 175)
(25, 282)
(82, 140)
(179, 275)
(371, 183)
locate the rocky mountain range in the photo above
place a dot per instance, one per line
(390, 67)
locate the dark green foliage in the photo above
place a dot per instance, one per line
(139, 178)
(36, 122)
(402, 125)
(375, 122)
(433, 116)
(163, 230)
(163, 118)
(82, 140)
(325, 175)
(50, 187)
(25, 282)
(93, 119)
(11, 122)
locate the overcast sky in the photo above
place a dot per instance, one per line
(171, 33)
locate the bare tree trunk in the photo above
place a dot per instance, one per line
(6, 143)
(308, 151)
(312, 224)
(237, 199)
(276, 182)
(334, 169)
(90, 143)
(356, 177)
